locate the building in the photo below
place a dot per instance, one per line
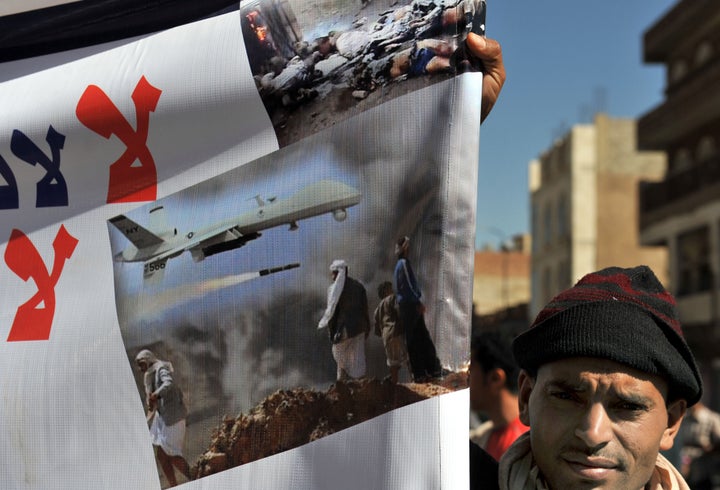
(502, 277)
(501, 287)
(584, 212)
(682, 212)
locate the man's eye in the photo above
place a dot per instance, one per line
(562, 395)
(631, 407)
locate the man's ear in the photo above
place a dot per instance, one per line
(525, 387)
(676, 411)
(497, 378)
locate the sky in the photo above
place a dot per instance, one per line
(565, 60)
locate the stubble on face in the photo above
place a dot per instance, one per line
(596, 424)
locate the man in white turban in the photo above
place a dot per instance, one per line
(167, 410)
(348, 322)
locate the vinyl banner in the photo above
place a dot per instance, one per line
(238, 253)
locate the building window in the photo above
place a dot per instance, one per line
(677, 71)
(695, 273)
(562, 217)
(555, 162)
(682, 160)
(562, 281)
(535, 229)
(703, 53)
(547, 225)
(547, 285)
(706, 148)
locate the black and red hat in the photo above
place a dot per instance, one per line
(624, 315)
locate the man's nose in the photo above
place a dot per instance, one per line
(594, 427)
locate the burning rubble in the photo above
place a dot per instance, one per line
(290, 418)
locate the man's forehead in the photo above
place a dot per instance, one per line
(582, 371)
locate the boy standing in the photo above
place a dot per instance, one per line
(388, 326)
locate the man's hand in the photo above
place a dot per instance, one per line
(490, 53)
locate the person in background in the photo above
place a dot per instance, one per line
(699, 434)
(388, 326)
(493, 393)
(483, 469)
(348, 322)
(424, 362)
(166, 412)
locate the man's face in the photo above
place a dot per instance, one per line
(477, 387)
(484, 387)
(597, 424)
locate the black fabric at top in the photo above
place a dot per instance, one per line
(90, 22)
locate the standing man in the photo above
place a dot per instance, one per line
(493, 393)
(348, 322)
(167, 411)
(423, 356)
(389, 328)
(606, 380)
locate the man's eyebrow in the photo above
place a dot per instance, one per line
(635, 398)
(580, 386)
(564, 384)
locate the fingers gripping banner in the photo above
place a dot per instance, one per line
(239, 252)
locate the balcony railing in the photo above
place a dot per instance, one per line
(656, 195)
(691, 103)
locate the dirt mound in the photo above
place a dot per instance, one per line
(290, 418)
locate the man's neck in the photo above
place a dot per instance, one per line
(507, 409)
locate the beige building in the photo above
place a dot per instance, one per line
(502, 277)
(584, 211)
(682, 212)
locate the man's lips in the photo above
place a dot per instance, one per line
(591, 467)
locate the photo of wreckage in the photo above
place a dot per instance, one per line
(311, 77)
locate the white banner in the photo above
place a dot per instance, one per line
(186, 193)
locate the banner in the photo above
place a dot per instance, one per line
(198, 227)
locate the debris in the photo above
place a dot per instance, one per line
(291, 418)
(215, 462)
(332, 63)
(352, 43)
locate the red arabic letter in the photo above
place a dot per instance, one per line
(32, 321)
(128, 182)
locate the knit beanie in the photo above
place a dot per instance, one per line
(623, 315)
